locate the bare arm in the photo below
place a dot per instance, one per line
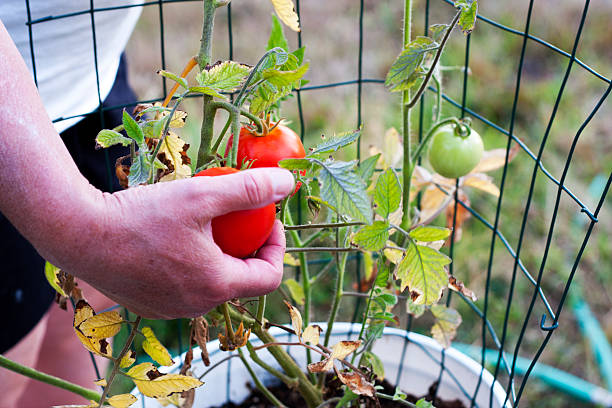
(149, 248)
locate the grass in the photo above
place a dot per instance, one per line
(330, 33)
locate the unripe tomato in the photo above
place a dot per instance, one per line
(452, 155)
(268, 149)
(240, 233)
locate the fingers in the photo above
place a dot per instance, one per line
(263, 274)
(244, 190)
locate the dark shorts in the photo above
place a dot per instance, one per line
(25, 295)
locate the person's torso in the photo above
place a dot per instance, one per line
(61, 49)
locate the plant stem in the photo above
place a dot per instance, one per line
(428, 136)
(228, 321)
(320, 249)
(292, 383)
(399, 401)
(117, 361)
(337, 299)
(325, 225)
(48, 379)
(266, 392)
(204, 58)
(261, 308)
(329, 402)
(407, 140)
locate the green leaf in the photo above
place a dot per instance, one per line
(445, 328)
(469, 12)
(266, 96)
(278, 56)
(342, 188)
(132, 128)
(415, 310)
(107, 138)
(336, 142)
(407, 68)
(399, 395)
(423, 403)
(181, 81)
(51, 272)
(206, 90)
(388, 193)
(372, 237)
(277, 36)
(295, 290)
(367, 167)
(422, 272)
(388, 299)
(382, 276)
(285, 78)
(295, 164)
(437, 31)
(226, 76)
(139, 170)
(346, 398)
(371, 360)
(430, 234)
(299, 54)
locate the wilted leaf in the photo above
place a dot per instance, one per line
(51, 273)
(388, 193)
(128, 359)
(336, 142)
(200, 335)
(482, 182)
(167, 384)
(141, 371)
(356, 383)
(102, 326)
(296, 319)
(291, 260)
(107, 138)
(372, 361)
(82, 312)
(429, 233)
(122, 400)
(423, 272)
(295, 290)
(393, 255)
(462, 215)
(433, 202)
(286, 12)
(139, 170)
(311, 334)
(172, 154)
(456, 285)
(372, 237)
(226, 76)
(154, 348)
(344, 348)
(445, 328)
(494, 159)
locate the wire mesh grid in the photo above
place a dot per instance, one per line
(492, 334)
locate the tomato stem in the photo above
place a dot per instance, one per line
(407, 167)
(228, 322)
(261, 308)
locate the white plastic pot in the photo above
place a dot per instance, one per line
(420, 369)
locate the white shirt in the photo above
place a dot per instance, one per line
(64, 50)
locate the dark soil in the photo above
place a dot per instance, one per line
(292, 399)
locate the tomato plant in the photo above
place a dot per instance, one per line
(240, 233)
(453, 154)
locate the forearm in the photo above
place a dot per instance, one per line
(41, 190)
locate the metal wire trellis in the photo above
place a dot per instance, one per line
(488, 333)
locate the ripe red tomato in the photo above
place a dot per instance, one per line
(452, 155)
(240, 233)
(268, 149)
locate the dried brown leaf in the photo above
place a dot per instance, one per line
(462, 215)
(201, 336)
(433, 202)
(356, 382)
(296, 319)
(494, 159)
(344, 348)
(458, 286)
(482, 182)
(311, 334)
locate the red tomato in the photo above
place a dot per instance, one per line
(268, 149)
(240, 233)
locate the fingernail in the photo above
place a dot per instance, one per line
(283, 182)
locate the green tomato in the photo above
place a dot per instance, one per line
(452, 155)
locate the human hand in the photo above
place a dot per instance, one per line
(151, 249)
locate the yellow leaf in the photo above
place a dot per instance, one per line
(139, 371)
(445, 328)
(296, 319)
(311, 334)
(433, 202)
(154, 348)
(290, 260)
(178, 119)
(286, 12)
(494, 159)
(482, 182)
(122, 400)
(101, 382)
(393, 255)
(82, 312)
(166, 385)
(128, 359)
(92, 404)
(368, 266)
(172, 399)
(102, 326)
(51, 272)
(171, 154)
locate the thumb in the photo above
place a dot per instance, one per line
(244, 190)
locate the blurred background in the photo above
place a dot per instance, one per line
(330, 32)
